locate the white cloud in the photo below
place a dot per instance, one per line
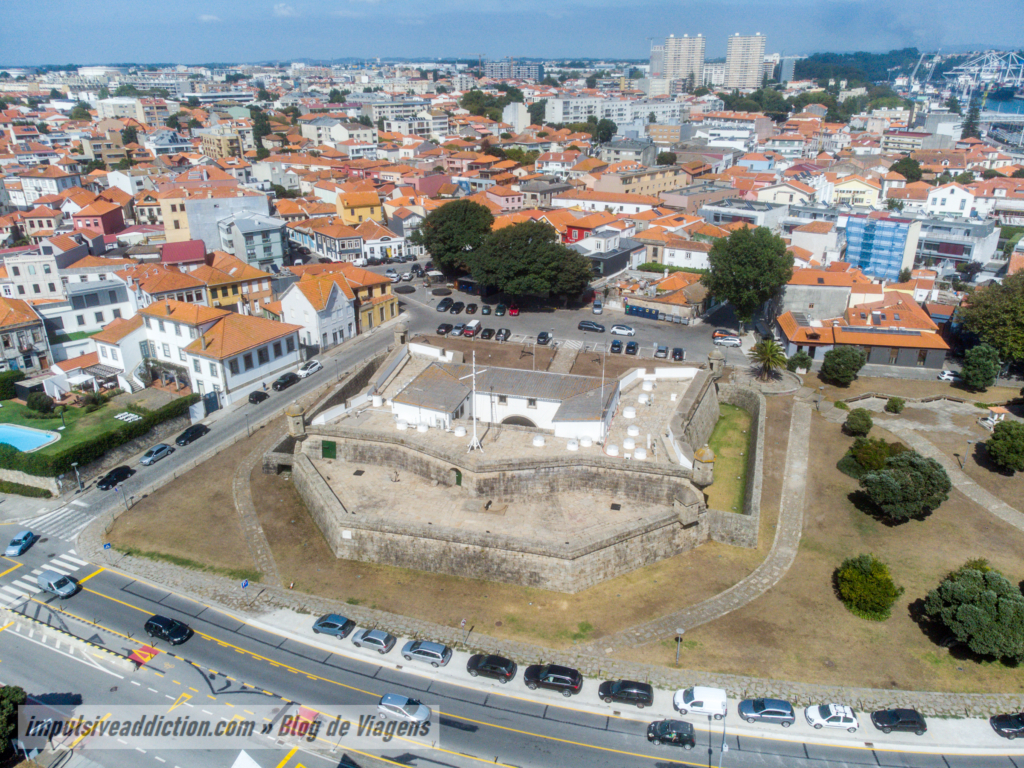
(207, 18)
(283, 9)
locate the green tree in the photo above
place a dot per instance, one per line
(970, 128)
(859, 422)
(895, 405)
(909, 485)
(652, 118)
(453, 232)
(80, 112)
(981, 367)
(908, 168)
(964, 178)
(528, 259)
(336, 96)
(39, 402)
(94, 165)
(953, 105)
(904, 275)
(982, 609)
(263, 95)
(193, 124)
(537, 110)
(55, 94)
(193, 102)
(173, 123)
(130, 135)
(866, 587)
(666, 158)
(104, 92)
(893, 204)
(1018, 174)
(592, 81)
(748, 268)
(840, 365)
(605, 130)
(123, 164)
(769, 357)
(11, 697)
(441, 89)
(1006, 446)
(801, 360)
(988, 173)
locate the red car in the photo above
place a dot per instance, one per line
(513, 310)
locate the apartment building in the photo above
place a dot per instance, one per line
(684, 59)
(744, 61)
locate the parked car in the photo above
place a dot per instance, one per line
(728, 341)
(434, 654)
(398, 707)
(20, 544)
(678, 354)
(564, 679)
(950, 376)
(456, 308)
(444, 329)
(889, 720)
(173, 631)
(632, 348)
(623, 330)
(284, 381)
(590, 325)
(832, 716)
(767, 711)
(719, 332)
(472, 329)
(396, 278)
(661, 352)
(445, 304)
(458, 329)
(377, 639)
(487, 333)
(472, 308)
(503, 334)
(497, 667)
(334, 625)
(616, 347)
(113, 477)
(674, 732)
(626, 692)
(598, 307)
(192, 434)
(513, 310)
(257, 396)
(543, 338)
(309, 367)
(390, 271)
(56, 584)
(407, 277)
(154, 454)
(499, 310)
(1009, 726)
(701, 700)
(485, 310)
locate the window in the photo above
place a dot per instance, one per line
(289, 344)
(46, 269)
(263, 355)
(80, 319)
(177, 329)
(531, 402)
(922, 356)
(113, 354)
(177, 225)
(196, 365)
(21, 290)
(213, 371)
(117, 313)
(181, 354)
(234, 290)
(160, 325)
(15, 271)
(35, 288)
(99, 317)
(112, 297)
(167, 351)
(51, 287)
(277, 349)
(103, 351)
(31, 269)
(247, 359)
(894, 354)
(502, 400)
(233, 366)
(148, 324)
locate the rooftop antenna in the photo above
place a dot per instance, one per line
(475, 443)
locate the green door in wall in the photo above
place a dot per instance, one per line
(330, 449)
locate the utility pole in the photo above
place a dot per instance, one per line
(474, 445)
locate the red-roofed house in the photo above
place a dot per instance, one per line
(101, 216)
(186, 255)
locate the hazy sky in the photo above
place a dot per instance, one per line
(190, 31)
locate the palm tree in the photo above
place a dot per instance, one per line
(767, 355)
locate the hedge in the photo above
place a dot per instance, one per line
(23, 490)
(51, 465)
(7, 379)
(653, 266)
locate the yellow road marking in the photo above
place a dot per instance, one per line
(5, 626)
(100, 570)
(12, 568)
(287, 757)
(75, 742)
(182, 698)
(108, 597)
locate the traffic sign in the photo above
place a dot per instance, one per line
(106, 546)
(245, 583)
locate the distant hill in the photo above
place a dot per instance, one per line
(857, 68)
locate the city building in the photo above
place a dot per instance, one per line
(256, 238)
(507, 69)
(684, 59)
(22, 337)
(880, 244)
(744, 61)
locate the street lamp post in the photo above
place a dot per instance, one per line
(679, 641)
(961, 458)
(123, 498)
(821, 396)
(74, 466)
(710, 748)
(247, 432)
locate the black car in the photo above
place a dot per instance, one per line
(471, 309)
(543, 338)
(444, 329)
(678, 354)
(113, 477)
(192, 433)
(1008, 726)
(632, 348)
(258, 397)
(487, 333)
(456, 308)
(616, 347)
(889, 720)
(498, 667)
(564, 679)
(590, 325)
(285, 381)
(171, 630)
(333, 624)
(675, 732)
(445, 304)
(627, 692)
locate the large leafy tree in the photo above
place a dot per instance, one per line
(908, 168)
(1006, 446)
(527, 259)
(130, 135)
(605, 130)
(11, 697)
(982, 609)
(996, 314)
(909, 485)
(453, 232)
(747, 269)
(981, 366)
(840, 365)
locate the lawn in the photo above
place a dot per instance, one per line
(730, 440)
(81, 426)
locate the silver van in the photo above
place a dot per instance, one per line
(57, 584)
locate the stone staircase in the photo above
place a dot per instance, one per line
(563, 360)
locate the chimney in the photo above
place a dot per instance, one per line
(167, 305)
(202, 336)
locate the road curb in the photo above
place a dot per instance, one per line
(118, 659)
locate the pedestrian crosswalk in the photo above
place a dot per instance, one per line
(571, 344)
(26, 585)
(63, 523)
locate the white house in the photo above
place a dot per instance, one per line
(120, 346)
(379, 241)
(950, 200)
(323, 309)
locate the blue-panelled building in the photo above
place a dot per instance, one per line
(879, 244)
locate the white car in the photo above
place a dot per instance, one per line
(728, 341)
(398, 707)
(701, 700)
(950, 376)
(832, 716)
(309, 368)
(622, 330)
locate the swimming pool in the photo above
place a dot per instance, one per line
(26, 439)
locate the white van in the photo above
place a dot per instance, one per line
(701, 701)
(56, 584)
(472, 329)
